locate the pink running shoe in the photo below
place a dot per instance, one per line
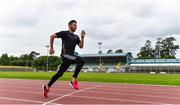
(74, 84)
(45, 91)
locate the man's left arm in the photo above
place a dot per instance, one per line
(81, 44)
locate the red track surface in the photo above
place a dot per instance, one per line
(13, 91)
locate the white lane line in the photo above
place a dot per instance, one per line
(144, 87)
(117, 89)
(39, 93)
(130, 94)
(60, 85)
(145, 90)
(97, 97)
(31, 87)
(108, 93)
(131, 90)
(15, 99)
(97, 83)
(71, 94)
(144, 102)
(159, 90)
(102, 91)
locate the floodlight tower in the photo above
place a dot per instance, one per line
(47, 46)
(100, 44)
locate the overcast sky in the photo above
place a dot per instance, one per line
(25, 25)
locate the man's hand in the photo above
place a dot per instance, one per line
(81, 44)
(82, 34)
(52, 37)
(51, 51)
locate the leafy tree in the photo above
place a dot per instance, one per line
(168, 48)
(119, 51)
(164, 48)
(33, 55)
(146, 51)
(53, 61)
(18, 63)
(109, 51)
(12, 58)
(4, 59)
(24, 57)
(100, 52)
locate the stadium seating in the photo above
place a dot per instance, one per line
(155, 65)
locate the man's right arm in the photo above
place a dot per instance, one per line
(52, 37)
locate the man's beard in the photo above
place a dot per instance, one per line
(73, 30)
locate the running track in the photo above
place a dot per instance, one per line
(14, 91)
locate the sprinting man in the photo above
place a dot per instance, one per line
(69, 42)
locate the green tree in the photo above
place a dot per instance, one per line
(4, 59)
(119, 51)
(100, 52)
(29, 58)
(164, 48)
(12, 58)
(24, 57)
(109, 51)
(169, 48)
(18, 63)
(158, 48)
(146, 51)
(33, 55)
(53, 62)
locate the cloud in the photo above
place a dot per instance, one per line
(126, 24)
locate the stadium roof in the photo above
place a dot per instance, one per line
(160, 64)
(154, 61)
(107, 55)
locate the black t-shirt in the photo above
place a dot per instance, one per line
(69, 41)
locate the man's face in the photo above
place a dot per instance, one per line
(73, 27)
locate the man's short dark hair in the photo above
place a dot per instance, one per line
(72, 21)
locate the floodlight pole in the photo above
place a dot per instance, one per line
(100, 43)
(159, 51)
(28, 62)
(47, 46)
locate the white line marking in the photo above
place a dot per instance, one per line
(133, 90)
(95, 97)
(118, 100)
(115, 89)
(70, 94)
(123, 88)
(130, 94)
(112, 93)
(141, 90)
(21, 100)
(99, 83)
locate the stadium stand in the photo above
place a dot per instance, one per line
(155, 65)
(109, 62)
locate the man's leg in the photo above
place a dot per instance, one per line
(79, 64)
(63, 68)
(79, 61)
